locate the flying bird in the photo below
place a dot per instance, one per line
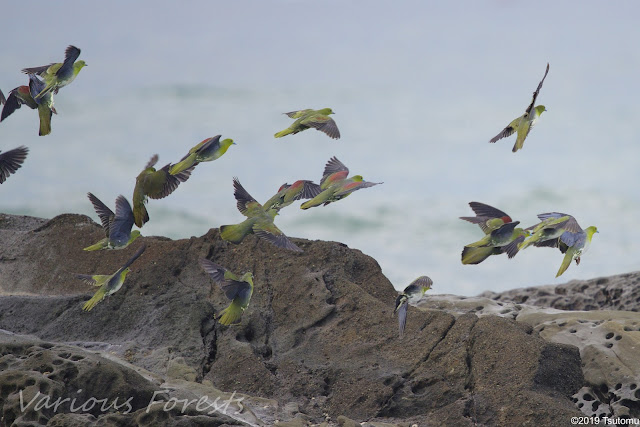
(288, 193)
(523, 124)
(59, 74)
(117, 227)
(259, 222)
(156, 184)
(335, 185)
(562, 231)
(109, 284)
(208, 150)
(501, 234)
(237, 289)
(11, 161)
(24, 95)
(306, 119)
(411, 295)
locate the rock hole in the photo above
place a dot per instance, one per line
(608, 345)
(618, 386)
(609, 335)
(573, 331)
(587, 397)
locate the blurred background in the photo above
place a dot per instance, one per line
(418, 89)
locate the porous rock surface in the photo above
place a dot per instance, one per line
(318, 343)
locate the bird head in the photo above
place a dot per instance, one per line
(357, 178)
(591, 231)
(227, 142)
(326, 111)
(134, 235)
(79, 64)
(540, 109)
(247, 277)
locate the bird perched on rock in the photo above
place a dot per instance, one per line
(562, 231)
(259, 222)
(306, 119)
(24, 95)
(237, 289)
(208, 150)
(411, 295)
(11, 161)
(523, 124)
(335, 185)
(501, 234)
(156, 184)
(117, 227)
(109, 284)
(287, 194)
(59, 74)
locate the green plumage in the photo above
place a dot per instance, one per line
(306, 119)
(206, 151)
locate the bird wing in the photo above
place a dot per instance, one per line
(123, 221)
(309, 190)
(159, 184)
(571, 239)
(42, 70)
(246, 204)
(402, 314)
(2, 98)
(14, 101)
(324, 124)
(353, 186)
(227, 281)
(152, 162)
(423, 282)
(268, 231)
(89, 279)
(334, 166)
(71, 53)
(35, 87)
(131, 260)
(105, 214)
(11, 161)
(504, 230)
(298, 114)
(205, 145)
(512, 248)
(508, 131)
(570, 225)
(535, 94)
(484, 210)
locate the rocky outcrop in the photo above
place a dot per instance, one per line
(318, 343)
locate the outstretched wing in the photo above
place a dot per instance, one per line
(227, 281)
(269, 232)
(535, 94)
(106, 215)
(298, 114)
(11, 161)
(324, 124)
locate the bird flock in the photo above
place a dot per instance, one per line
(501, 233)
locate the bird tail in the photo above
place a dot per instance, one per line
(140, 214)
(231, 315)
(471, 255)
(183, 165)
(316, 201)
(45, 119)
(235, 233)
(566, 262)
(97, 246)
(530, 241)
(522, 134)
(99, 296)
(282, 133)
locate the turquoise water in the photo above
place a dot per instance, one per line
(418, 90)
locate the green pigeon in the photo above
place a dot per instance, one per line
(411, 295)
(523, 124)
(501, 234)
(550, 227)
(259, 222)
(59, 74)
(24, 95)
(335, 185)
(237, 289)
(117, 227)
(156, 184)
(11, 161)
(287, 194)
(109, 284)
(306, 119)
(571, 241)
(208, 150)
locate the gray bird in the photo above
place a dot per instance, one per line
(411, 295)
(117, 227)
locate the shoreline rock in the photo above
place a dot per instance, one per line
(318, 343)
